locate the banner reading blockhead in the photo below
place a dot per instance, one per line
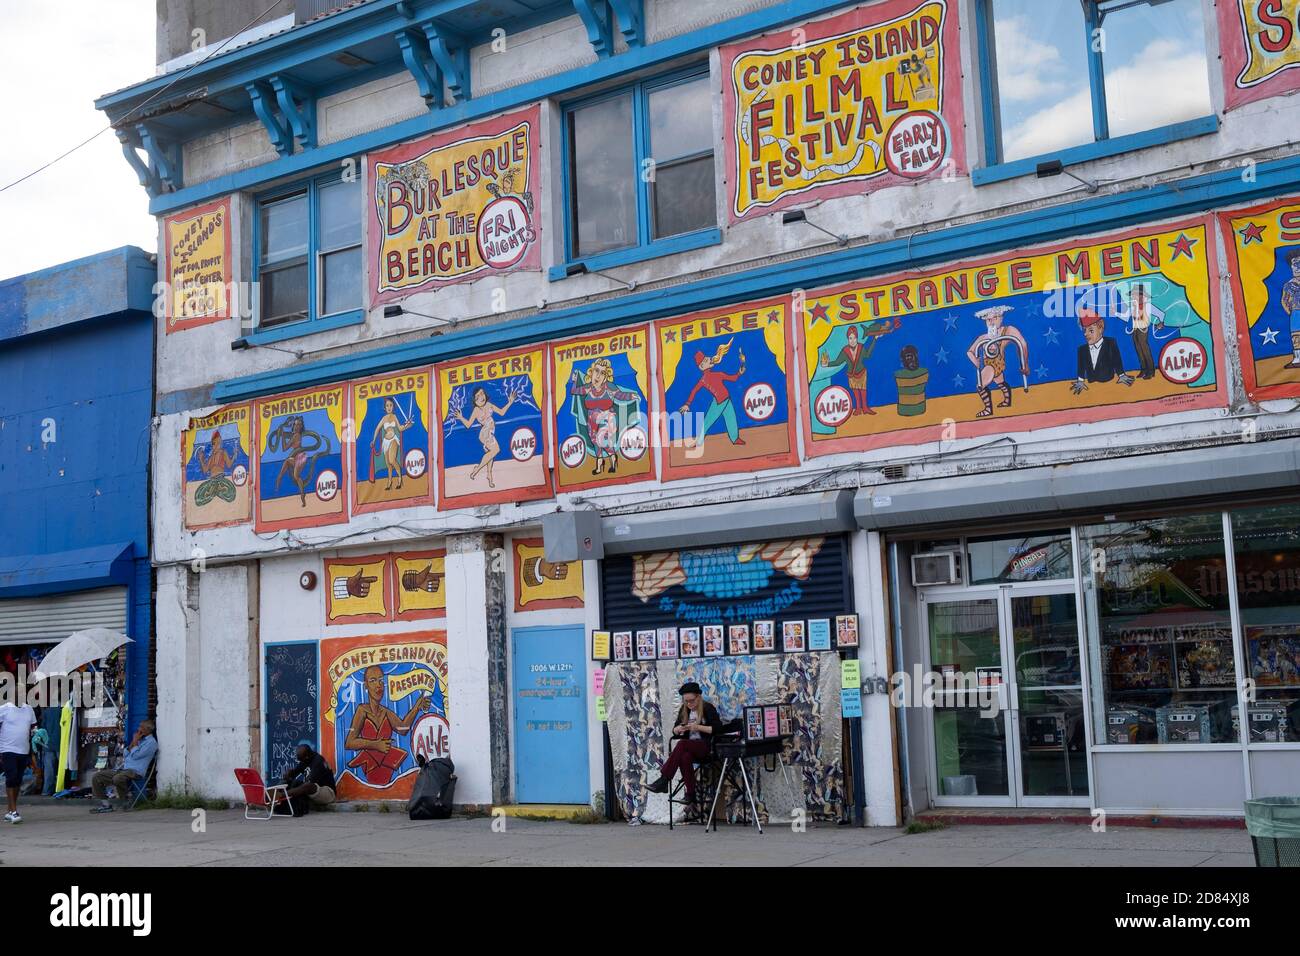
(455, 205)
(1259, 41)
(300, 459)
(843, 106)
(493, 445)
(724, 390)
(391, 452)
(215, 457)
(1111, 327)
(1265, 267)
(384, 703)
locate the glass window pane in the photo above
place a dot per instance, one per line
(1154, 63)
(1159, 630)
(603, 175)
(1267, 546)
(682, 197)
(284, 228)
(1044, 556)
(284, 294)
(340, 214)
(1043, 98)
(341, 280)
(681, 120)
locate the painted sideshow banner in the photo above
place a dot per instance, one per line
(455, 205)
(843, 106)
(1260, 49)
(385, 704)
(300, 459)
(493, 429)
(419, 579)
(1265, 268)
(1114, 327)
(215, 458)
(541, 584)
(391, 452)
(724, 392)
(197, 267)
(601, 387)
(358, 590)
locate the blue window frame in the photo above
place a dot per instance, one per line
(1074, 80)
(307, 258)
(639, 177)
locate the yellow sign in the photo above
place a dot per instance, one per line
(357, 590)
(541, 584)
(421, 582)
(198, 266)
(1259, 43)
(215, 452)
(600, 645)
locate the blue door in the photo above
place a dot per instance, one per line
(550, 698)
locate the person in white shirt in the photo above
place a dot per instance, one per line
(1143, 315)
(16, 722)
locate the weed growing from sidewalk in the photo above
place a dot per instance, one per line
(925, 826)
(172, 799)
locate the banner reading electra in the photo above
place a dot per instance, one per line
(215, 459)
(1265, 266)
(454, 205)
(391, 451)
(1114, 327)
(1260, 49)
(198, 266)
(300, 459)
(844, 106)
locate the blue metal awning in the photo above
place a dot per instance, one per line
(30, 575)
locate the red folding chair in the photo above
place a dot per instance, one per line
(258, 796)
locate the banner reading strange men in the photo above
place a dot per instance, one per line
(1260, 46)
(1083, 331)
(843, 106)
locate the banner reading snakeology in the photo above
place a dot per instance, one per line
(1259, 47)
(843, 106)
(384, 703)
(1083, 331)
(392, 448)
(299, 463)
(216, 468)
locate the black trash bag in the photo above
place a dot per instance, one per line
(293, 807)
(434, 790)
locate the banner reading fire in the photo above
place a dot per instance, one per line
(198, 266)
(864, 100)
(1260, 47)
(454, 205)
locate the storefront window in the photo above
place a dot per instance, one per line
(1159, 631)
(1266, 542)
(1043, 556)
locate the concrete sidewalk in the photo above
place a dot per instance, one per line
(68, 835)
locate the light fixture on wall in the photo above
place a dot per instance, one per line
(1054, 167)
(241, 344)
(798, 215)
(393, 311)
(581, 269)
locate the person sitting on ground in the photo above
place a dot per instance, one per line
(312, 778)
(697, 722)
(135, 764)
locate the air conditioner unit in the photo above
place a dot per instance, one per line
(935, 567)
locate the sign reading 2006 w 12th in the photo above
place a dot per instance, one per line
(455, 205)
(847, 105)
(1260, 46)
(1110, 327)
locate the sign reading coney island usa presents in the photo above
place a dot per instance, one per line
(725, 391)
(391, 452)
(300, 474)
(494, 438)
(601, 386)
(1265, 266)
(384, 704)
(216, 463)
(1109, 327)
(1260, 44)
(197, 265)
(455, 205)
(843, 106)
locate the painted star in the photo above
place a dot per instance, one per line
(1182, 246)
(1268, 336)
(670, 335)
(958, 381)
(1253, 232)
(773, 316)
(1052, 335)
(949, 322)
(818, 313)
(941, 356)
(1041, 371)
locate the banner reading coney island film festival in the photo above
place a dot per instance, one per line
(391, 451)
(216, 454)
(601, 386)
(493, 444)
(1260, 45)
(384, 704)
(300, 459)
(843, 106)
(1264, 261)
(1111, 327)
(725, 390)
(197, 251)
(455, 205)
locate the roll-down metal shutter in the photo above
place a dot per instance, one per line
(54, 617)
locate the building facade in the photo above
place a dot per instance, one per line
(520, 361)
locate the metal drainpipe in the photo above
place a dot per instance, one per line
(904, 771)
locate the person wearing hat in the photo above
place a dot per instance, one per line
(1143, 315)
(853, 358)
(697, 722)
(1291, 305)
(715, 383)
(312, 778)
(1099, 358)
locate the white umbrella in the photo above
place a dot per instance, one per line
(79, 647)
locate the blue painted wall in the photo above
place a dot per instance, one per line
(76, 348)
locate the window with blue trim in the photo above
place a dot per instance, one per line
(639, 166)
(1065, 73)
(309, 252)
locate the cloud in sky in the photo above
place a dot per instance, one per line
(55, 59)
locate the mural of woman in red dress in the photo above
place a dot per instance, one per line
(373, 728)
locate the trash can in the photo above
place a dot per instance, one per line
(1274, 827)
